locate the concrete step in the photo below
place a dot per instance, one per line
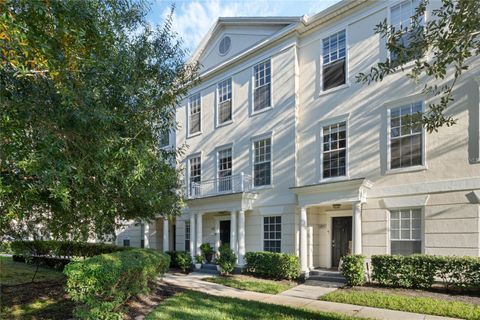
(208, 271)
(323, 284)
(209, 266)
(327, 276)
(327, 279)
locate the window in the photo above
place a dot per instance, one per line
(195, 175)
(187, 235)
(405, 231)
(334, 152)
(165, 139)
(126, 242)
(334, 60)
(224, 104)
(225, 169)
(406, 140)
(272, 234)
(195, 116)
(401, 19)
(262, 150)
(262, 86)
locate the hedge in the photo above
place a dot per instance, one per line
(181, 260)
(353, 269)
(5, 247)
(227, 259)
(65, 249)
(272, 265)
(103, 283)
(421, 271)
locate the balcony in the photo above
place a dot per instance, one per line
(220, 186)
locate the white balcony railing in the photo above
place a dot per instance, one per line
(219, 186)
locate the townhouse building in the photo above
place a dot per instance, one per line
(287, 152)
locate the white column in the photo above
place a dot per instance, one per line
(233, 231)
(310, 247)
(199, 231)
(357, 227)
(241, 237)
(146, 235)
(192, 235)
(166, 235)
(303, 240)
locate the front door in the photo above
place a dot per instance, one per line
(341, 238)
(225, 232)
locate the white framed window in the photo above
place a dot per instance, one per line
(195, 114)
(406, 231)
(334, 150)
(187, 235)
(225, 169)
(406, 141)
(334, 60)
(262, 91)
(224, 102)
(272, 234)
(262, 162)
(194, 174)
(165, 139)
(401, 19)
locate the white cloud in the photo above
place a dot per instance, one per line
(192, 20)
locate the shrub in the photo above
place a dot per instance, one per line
(420, 271)
(103, 283)
(207, 251)
(273, 265)
(353, 269)
(198, 258)
(181, 260)
(5, 247)
(227, 259)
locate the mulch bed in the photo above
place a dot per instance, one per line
(436, 292)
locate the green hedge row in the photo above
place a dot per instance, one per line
(353, 269)
(421, 271)
(103, 283)
(272, 265)
(65, 249)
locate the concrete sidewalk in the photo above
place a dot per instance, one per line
(296, 299)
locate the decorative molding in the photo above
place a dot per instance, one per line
(405, 202)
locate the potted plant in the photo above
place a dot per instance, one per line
(207, 251)
(198, 261)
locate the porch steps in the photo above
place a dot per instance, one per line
(209, 268)
(324, 275)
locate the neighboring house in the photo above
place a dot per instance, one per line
(287, 153)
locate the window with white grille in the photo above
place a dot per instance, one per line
(224, 105)
(334, 155)
(262, 162)
(406, 231)
(262, 86)
(195, 175)
(334, 60)
(195, 114)
(406, 139)
(272, 234)
(401, 19)
(225, 169)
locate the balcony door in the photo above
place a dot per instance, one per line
(225, 165)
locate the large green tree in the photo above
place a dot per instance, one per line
(439, 50)
(87, 88)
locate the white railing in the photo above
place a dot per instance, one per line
(223, 185)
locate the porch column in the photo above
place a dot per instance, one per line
(357, 227)
(199, 231)
(146, 235)
(303, 240)
(166, 236)
(310, 247)
(233, 231)
(192, 235)
(241, 238)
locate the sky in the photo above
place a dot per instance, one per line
(193, 19)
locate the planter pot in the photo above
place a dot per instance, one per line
(198, 266)
(219, 269)
(209, 257)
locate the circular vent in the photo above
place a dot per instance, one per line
(224, 45)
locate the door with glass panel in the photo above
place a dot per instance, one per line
(225, 170)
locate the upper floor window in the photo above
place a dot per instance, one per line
(334, 60)
(225, 165)
(272, 234)
(195, 174)
(262, 162)
(405, 231)
(334, 152)
(400, 20)
(262, 86)
(195, 114)
(406, 139)
(165, 139)
(224, 105)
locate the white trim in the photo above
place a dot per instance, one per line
(405, 202)
(262, 235)
(252, 159)
(252, 96)
(217, 150)
(422, 229)
(191, 135)
(217, 104)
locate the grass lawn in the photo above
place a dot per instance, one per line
(196, 305)
(425, 305)
(13, 273)
(252, 284)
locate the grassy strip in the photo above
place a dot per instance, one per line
(256, 285)
(400, 302)
(14, 273)
(196, 305)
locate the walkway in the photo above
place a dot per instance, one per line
(294, 299)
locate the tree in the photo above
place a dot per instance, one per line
(444, 44)
(87, 88)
